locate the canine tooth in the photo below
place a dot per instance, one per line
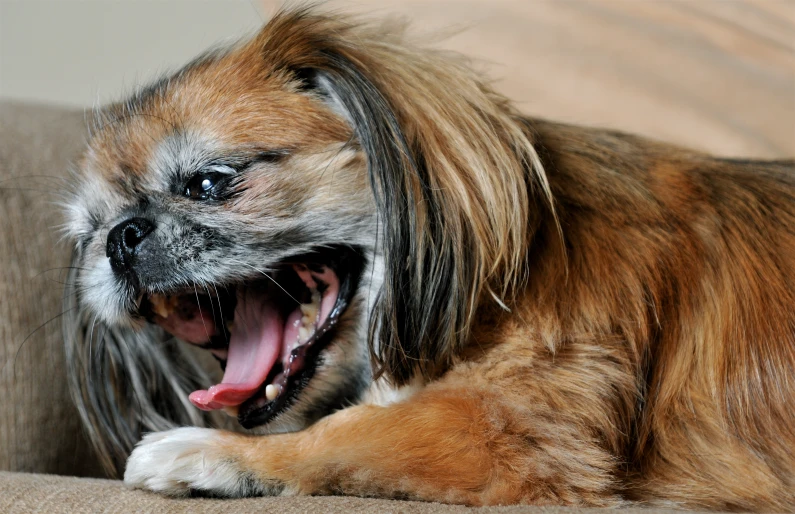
(303, 333)
(231, 410)
(309, 310)
(160, 305)
(271, 392)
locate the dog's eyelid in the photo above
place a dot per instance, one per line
(231, 166)
(220, 168)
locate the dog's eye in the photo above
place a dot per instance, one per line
(206, 185)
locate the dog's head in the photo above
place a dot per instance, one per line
(282, 203)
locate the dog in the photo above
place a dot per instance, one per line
(416, 291)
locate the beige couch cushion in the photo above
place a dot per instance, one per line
(21, 493)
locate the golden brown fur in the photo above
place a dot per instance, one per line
(613, 318)
(652, 361)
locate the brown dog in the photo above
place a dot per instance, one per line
(419, 292)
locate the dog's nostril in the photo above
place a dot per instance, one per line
(132, 236)
(123, 240)
(131, 232)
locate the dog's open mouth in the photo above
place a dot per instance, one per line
(266, 333)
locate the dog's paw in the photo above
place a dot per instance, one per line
(185, 460)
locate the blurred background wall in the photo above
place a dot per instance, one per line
(717, 75)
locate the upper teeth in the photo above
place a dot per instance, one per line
(163, 306)
(309, 319)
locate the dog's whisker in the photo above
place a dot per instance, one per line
(206, 332)
(29, 338)
(220, 309)
(266, 275)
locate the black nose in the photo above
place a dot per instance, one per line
(124, 239)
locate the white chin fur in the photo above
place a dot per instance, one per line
(103, 294)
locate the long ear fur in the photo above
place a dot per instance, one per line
(125, 382)
(452, 171)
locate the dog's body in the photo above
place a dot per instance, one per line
(560, 315)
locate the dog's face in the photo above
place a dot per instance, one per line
(230, 206)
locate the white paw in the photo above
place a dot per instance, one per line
(177, 461)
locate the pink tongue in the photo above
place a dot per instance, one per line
(254, 346)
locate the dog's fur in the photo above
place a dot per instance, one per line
(555, 314)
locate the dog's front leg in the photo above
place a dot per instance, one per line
(446, 444)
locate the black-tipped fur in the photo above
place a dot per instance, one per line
(421, 314)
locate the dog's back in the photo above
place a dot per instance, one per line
(685, 264)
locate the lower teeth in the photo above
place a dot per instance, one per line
(271, 392)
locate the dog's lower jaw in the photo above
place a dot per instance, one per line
(343, 374)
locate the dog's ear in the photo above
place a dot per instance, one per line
(421, 305)
(450, 171)
(125, 382)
